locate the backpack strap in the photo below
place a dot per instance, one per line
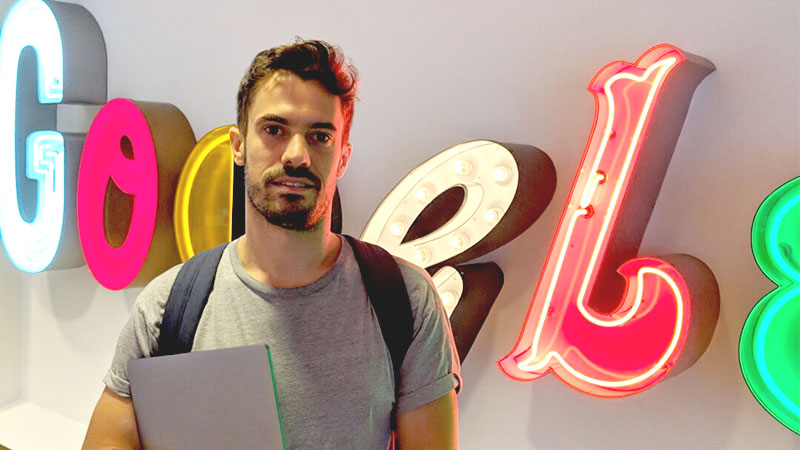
(389, 298)
(187, 299)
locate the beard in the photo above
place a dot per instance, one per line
(296, 212)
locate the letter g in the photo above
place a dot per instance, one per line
(31, 245)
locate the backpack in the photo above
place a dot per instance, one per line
(380, 274)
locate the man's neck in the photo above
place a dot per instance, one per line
(285, 258)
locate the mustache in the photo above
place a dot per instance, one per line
(294, 172)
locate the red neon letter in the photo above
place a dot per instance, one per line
(576, 325)
(103, 162)
(157, 139)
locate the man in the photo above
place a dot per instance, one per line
(291, 283)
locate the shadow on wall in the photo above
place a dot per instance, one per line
(73, 300)
(10, 332)
(607, 424)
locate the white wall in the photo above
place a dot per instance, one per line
(438, 73)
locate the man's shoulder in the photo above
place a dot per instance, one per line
(413, 275)
(416, 279)
(158, 289)
(418, 283)
(161, 284)
(152, 300)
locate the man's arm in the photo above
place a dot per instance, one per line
(433, 426)
(113, 424)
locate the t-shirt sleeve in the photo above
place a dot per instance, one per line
(431, 367)
(139, 336)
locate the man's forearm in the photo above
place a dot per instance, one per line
(113, 424)
(433, 426)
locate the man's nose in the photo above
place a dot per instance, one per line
(296, 152)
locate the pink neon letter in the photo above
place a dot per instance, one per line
(576, 326)
(103, 162)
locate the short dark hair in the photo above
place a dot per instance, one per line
(310, 60)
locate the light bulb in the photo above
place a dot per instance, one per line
(501, 174)
(459, 241)
(449, 300)
(398, 228)
(492, 215)
(423, 194)
(462, 167)
(422, 255)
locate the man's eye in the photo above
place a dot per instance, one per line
(272, 129)
(322, 137)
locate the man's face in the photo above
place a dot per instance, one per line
(293, 151)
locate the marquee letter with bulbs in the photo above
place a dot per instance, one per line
(457, 206)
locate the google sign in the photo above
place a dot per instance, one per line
(137, 194)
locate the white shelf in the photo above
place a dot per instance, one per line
(27, 426)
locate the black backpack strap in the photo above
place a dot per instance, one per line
(389, 298)
(186, 301)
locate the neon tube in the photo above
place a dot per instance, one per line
(769, 341)
(31, 246)
(631, 348)
(204, 197)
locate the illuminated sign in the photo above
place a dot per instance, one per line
(599, 333)
(129, 169)
(770, 340)
(488, 175)
(135, 219)
(204, 197)
(36, 207)
(461, 204)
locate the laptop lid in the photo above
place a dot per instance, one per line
(207, 400)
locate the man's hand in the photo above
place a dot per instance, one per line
(113, 424)
(431, 427)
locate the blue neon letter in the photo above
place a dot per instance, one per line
(31, 245)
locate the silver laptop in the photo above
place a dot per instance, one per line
(207, 400)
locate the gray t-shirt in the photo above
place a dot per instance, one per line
(333, 372)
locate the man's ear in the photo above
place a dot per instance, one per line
(344, 159)
(237, 145)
